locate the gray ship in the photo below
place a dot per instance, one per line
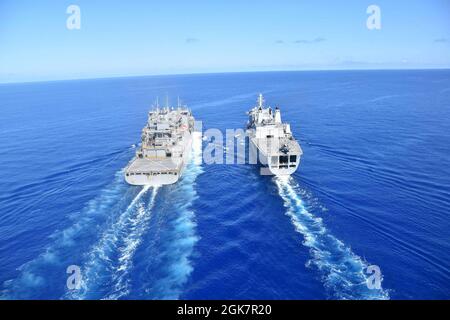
(272, 141)
(165, 148)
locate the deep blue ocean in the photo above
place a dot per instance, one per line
(373, 188)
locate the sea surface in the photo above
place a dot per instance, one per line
(372, 191)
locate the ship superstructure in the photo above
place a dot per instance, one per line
(271, 140)
(165, 148)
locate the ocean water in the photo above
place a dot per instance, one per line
(373, 189)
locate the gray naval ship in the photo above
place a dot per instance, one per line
(272, 141)
(165, 148)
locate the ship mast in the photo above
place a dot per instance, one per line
(260, 100)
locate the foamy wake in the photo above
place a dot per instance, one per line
(66, 246)
(180, 238)
(109, 261)
(342, 272)
(139, 225)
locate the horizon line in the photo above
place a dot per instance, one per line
(223, 72)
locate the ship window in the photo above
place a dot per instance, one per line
(128, 174)
(293, 158)
(168, 154)
(274, 160)
(283, 167)
(283, 159)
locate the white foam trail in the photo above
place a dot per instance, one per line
(342, 272)
(182, 238)
(99, 257)
(32, 282)
(139, 225)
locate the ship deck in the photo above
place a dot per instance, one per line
(272, 146)
(152, 165)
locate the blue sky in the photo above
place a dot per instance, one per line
(121, 38)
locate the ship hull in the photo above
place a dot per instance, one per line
(151, 180)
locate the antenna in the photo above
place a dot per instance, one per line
(260, 100)
(167, 100)
(157, 102)
(178, 101)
